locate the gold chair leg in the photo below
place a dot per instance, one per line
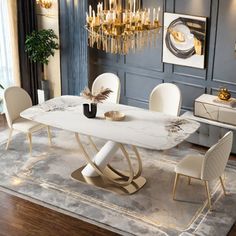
(93, 144)
(175, 185)
(208, 193)
(9, 138)
(224, 176)
(125, 182)
(189, 180)
(222, 185)
(49, 135)
(29, 135)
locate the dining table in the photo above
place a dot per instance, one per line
(140, 128)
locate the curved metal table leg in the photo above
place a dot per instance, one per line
(139, 170)
(98, 171)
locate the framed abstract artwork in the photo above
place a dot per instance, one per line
(184, 39)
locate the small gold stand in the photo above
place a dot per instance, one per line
(110, 178)
(103, 182)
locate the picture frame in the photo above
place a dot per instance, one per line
(184, 40)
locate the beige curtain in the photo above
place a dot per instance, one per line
(12, 10)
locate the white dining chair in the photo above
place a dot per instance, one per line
(166, 98)
(208, 167)
(111, 81)
(106, 80)
(17, 100)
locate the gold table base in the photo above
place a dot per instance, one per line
(103, 182)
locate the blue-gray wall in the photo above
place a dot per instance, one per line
(73, 46)
(142, 71)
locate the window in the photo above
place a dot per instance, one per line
(6, 63)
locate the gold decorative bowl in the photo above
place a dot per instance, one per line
(224, 94)
(114, 115)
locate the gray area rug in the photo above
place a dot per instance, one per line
(46, 178)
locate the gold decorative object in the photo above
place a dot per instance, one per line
(198, 46)
(224, 94)
(230, 103)
(44, 3)
(179, 37)
(120, 26)
(114, 116)
(100, 96)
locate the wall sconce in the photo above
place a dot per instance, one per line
(44, 3)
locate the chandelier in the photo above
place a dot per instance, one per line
(121, 27)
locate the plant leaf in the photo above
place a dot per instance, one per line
(40, 45)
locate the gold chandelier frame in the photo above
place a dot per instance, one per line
(122, 28)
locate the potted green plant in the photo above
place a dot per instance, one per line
(40, 45)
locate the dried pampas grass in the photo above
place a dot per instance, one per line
(102, 95)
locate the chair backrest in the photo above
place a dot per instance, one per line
(216, 158)
(166, 98)
(16, 100)
(111, 81)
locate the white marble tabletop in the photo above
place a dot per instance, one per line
(140, 127)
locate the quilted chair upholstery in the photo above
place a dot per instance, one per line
(208, 167)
